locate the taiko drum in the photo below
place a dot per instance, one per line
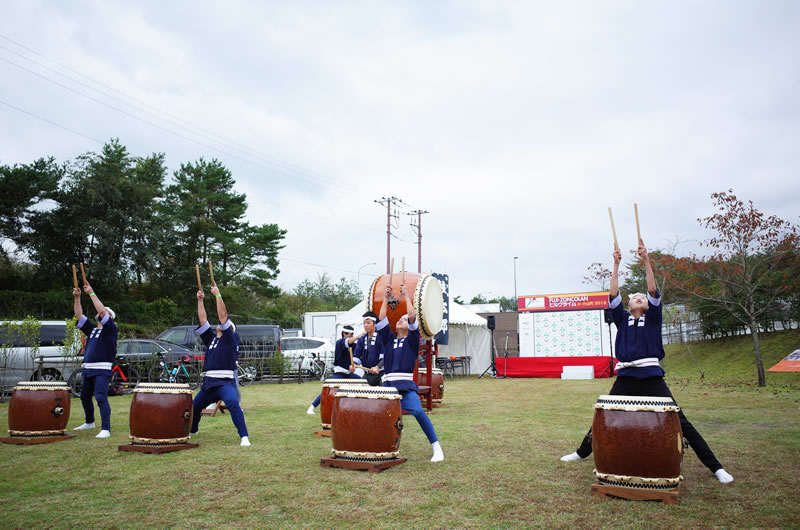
(437, 385)
(426, 295)
(367, 423)
(39, 408)
(161, 413)
(328, 391)
(637, 442)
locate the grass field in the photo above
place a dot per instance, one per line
(501, 438)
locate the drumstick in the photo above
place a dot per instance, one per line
(403, 268)
(613, 230)
(74, 277)
(83, 274)
(636, 213)
(197, 272)
(391, 273)
(211, 271)
(351, 355)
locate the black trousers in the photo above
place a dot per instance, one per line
(655, 386)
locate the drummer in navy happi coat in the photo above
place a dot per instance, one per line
(219, 368)
(342, 367)
(370, 350)
(399, 360)
(639, 350)
(98, 360)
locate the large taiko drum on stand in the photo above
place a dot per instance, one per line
(437, 385)
(161, 414)
(426, 295)
(39, 409)
(367, 423)
(637, 442)
(329, 388)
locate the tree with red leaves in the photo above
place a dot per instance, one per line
(752, 270)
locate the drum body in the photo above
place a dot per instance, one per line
(39, 408)
(426, 294)
(328, 391)
(161, 414)
(367, 423)
(437, 386)
(637, 442)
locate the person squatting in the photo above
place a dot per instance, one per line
(639, 349)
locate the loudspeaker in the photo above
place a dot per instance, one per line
(490, 321)
(607, 315)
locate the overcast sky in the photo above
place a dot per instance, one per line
(515, 124)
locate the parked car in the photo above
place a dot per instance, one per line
(51, 362)
(309, 348)
(146, 350)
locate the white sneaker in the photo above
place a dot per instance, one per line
(310, 410)
(245, 442)
(103, 434)
(572, 457)
(723, 476)
(84, 427)
(438, 455)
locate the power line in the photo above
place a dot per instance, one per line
(50, 122)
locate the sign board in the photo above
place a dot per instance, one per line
(562, 302)
(444, 334)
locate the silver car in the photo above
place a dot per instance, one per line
(21, 359)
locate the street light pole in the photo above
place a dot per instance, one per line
(358, 281)
(516, 304)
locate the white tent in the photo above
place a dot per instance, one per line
(468, 334)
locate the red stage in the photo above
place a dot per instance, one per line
(548, 366)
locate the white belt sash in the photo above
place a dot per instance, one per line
(97, 366)
(638, 363)
(398, 376)
(219, 374)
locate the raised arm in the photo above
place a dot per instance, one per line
(98, 305)
(613, 290)
(76, 293)
(648, 269)
(412, 316)
(354, 338)
(386, 295)
(202, 317)
(222, 312)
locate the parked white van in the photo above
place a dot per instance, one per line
(50, 362)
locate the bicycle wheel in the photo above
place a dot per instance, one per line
(318, 368)
(75, 383)
(158, 374)
(126, 384)
(188, 375)
(247, 374)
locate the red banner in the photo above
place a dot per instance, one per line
(563, 302)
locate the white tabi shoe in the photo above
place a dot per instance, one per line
(310, 410)
(103, 434)
(438, 454)
(723, 476)
(84, 427)
(572, 457)
(245, 442)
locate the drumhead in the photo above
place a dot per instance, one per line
(429, 305)
(41, 385)
(637, 403)
(163, 388)
(341, 382)
(370, 392)
(424, 371)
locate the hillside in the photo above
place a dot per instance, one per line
(732, 359)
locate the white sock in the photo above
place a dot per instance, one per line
(103, 434)
(572, 457)
(192, 433)
(245, 442)
(723, 476)
(310, 410)
(84, 427)
(438, 455)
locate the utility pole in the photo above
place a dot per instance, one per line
(389, 201)
(418, 229)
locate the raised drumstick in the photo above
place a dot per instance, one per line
(403, 268)
(638, 231)
(613, 230)
(83, 275)
(74, 277)
(391, 273)
(211, 272)
(197, 272)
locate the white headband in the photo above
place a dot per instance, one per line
(371, 318)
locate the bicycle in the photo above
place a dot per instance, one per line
(317, 369)
(247, 374)
(181, 372)
(124, 379)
